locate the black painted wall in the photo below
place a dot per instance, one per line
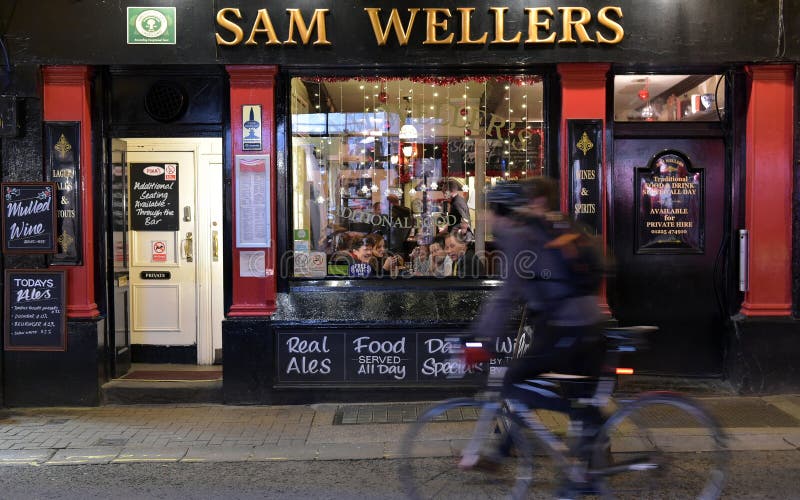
(677, 32)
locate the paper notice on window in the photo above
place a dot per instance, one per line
(252, 264)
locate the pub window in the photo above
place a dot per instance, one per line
(672, 98)
(373, 159)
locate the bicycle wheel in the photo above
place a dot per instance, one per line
(431, 450)
(660, 445)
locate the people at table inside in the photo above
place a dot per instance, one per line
(382, 262)
(466, 264)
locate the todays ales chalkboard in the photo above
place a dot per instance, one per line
(29, 217)
(35, 318)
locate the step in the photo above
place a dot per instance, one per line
(120, 392)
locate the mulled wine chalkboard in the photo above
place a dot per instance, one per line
(35, 315)
(29, 217)
(154, 197)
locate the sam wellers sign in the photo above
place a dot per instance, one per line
(577, 25)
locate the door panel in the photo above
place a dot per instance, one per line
(676, 291)
(119, 341)
(164, 309)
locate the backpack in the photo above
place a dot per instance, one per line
(582, 254)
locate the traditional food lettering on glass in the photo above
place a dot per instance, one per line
(154, 197)
(310, 356)
(62, 140)
(585, 138)
(375, 356)
(35, 317)
(670, 206)
(29, 217)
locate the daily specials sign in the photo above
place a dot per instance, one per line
(154, 197)
(35, 317)
(29, 217)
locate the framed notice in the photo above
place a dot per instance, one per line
(251, 127)
(35, 316)
(252, 201)
(585, 160)
(63, 166)
(29, 217)
(670, 206)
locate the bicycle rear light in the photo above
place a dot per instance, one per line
(624, 371)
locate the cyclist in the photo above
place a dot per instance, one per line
(554, 270)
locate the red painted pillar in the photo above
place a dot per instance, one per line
(254, 85)
(66, 98)
(583, 94)
(768, 190)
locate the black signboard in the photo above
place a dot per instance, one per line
(154, 197)
(385, 357)
(35, 316)
(585, 160)
(63, 166)
(311, 357)
(155, 275)
(29, 217)
(669, 206)
(375, 356)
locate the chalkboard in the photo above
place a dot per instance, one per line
(29, 217)
(310, 357)
(35, 316)
(381, 357)
(154, 197)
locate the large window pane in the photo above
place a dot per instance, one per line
(669, 97)
(372, 161)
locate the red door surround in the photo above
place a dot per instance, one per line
(254, 85)
(67, 98)
(768, 190)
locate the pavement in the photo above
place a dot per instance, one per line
(224, 433)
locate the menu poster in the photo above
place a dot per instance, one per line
(63, 154)
(670, 206)
(35, 316)
(252, 201)
(154, 197)
(585, 159)
(29, 217)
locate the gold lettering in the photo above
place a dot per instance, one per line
(433, 23)
(586, 208)
(318, 20)
(466, 21)
(569, 24)
(534, 25)
(500, 26)
(615, 27)
(381, 35)
(496, 122)
(588, 175)
(263, 24)
(229, 25)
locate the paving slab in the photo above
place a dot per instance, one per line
(102, 455)
(218, 454)
(150, 455)
(25, 457)
(351, 451)
(279, 452)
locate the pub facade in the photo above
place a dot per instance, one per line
(270, 186)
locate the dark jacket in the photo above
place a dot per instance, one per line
(468, 266)
(536, 276)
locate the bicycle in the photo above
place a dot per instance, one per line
(626, 458)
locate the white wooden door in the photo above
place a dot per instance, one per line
(163, 291)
